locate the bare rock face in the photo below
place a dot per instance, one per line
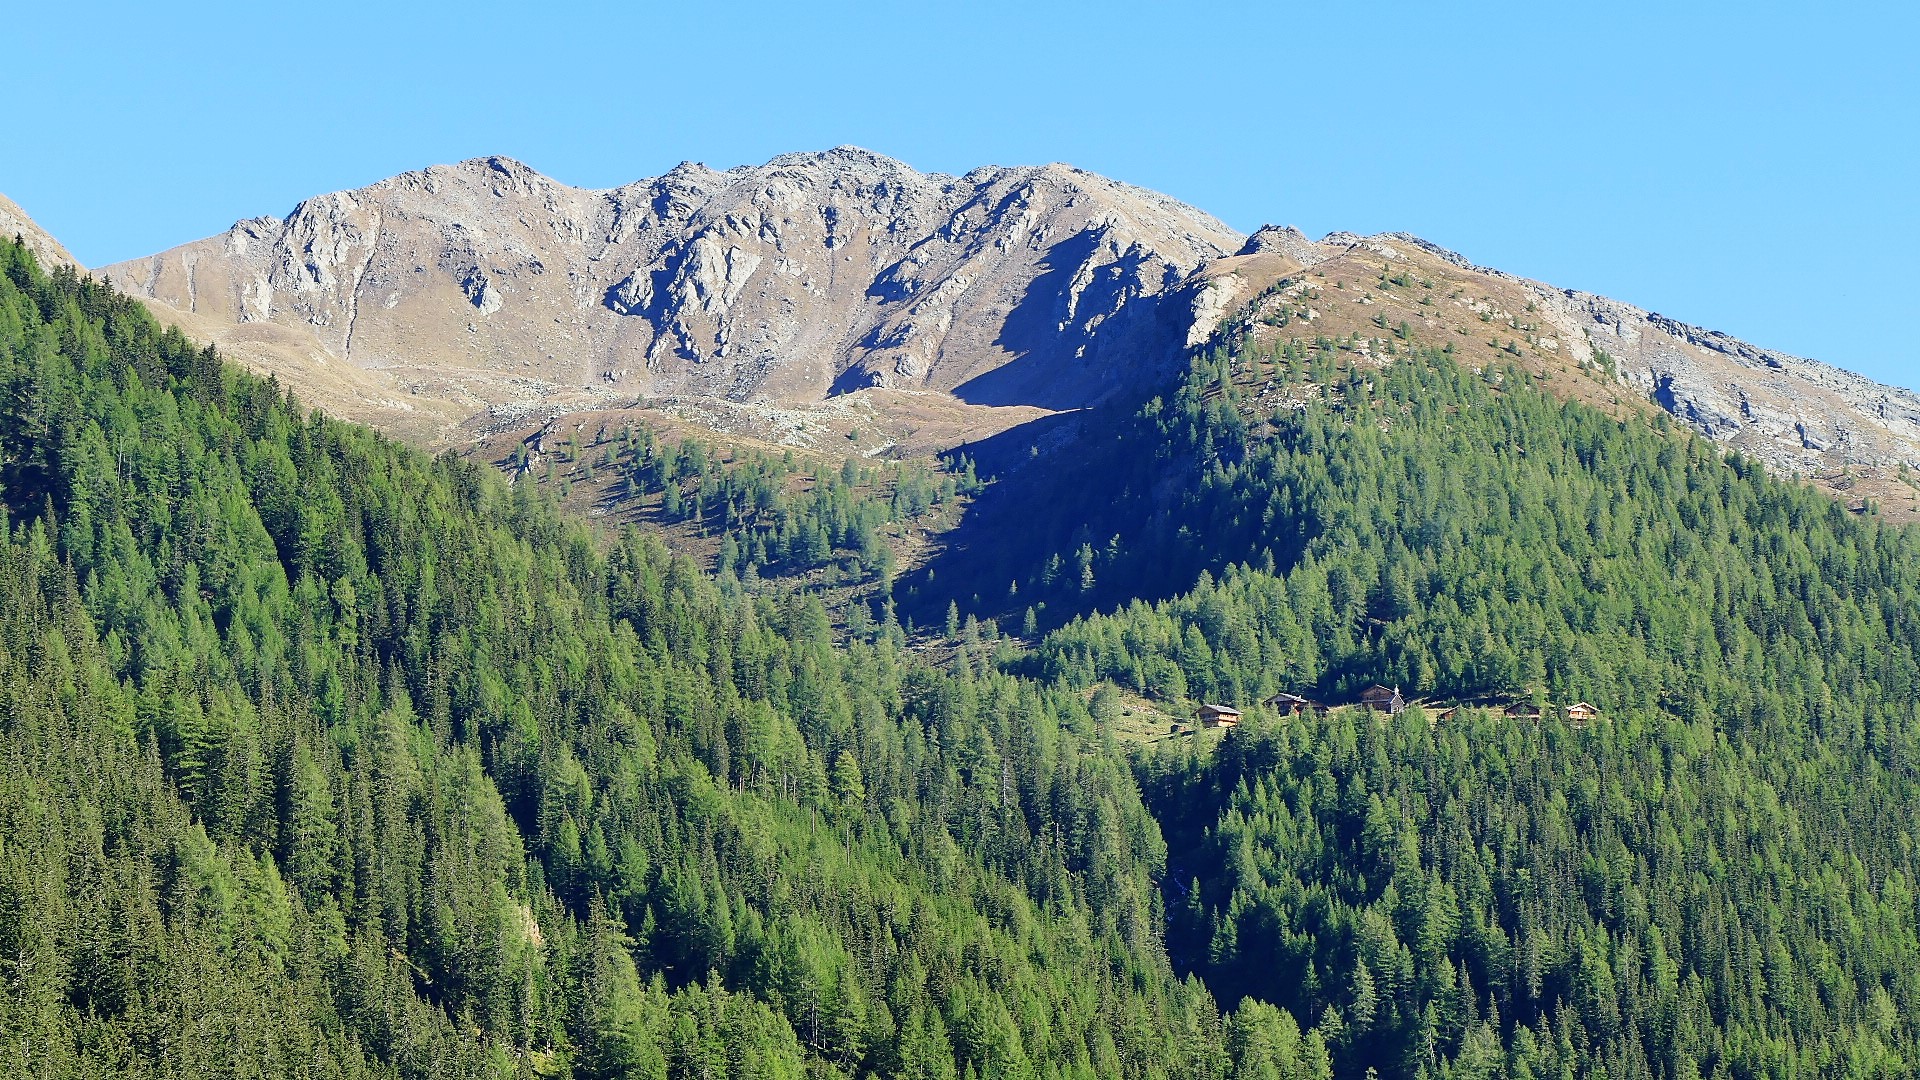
(1290, 242)
(488, 286)
(15, 222)
(1223, 286)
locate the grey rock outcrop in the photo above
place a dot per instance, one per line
(1288, 241)
(1797, 415)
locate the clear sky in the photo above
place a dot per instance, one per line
(1749, 167)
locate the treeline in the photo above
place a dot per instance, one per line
(774, 516)
(327, 760)
(1467, 534)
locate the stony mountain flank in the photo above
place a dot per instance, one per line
(1799, 416)
(485, 286)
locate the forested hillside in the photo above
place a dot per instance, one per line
(1463, 533)
(1717, 879)
(326, 760)
(760, 515)
(1489, 898)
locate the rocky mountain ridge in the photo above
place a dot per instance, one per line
(1730, 390)
(487, 285)
(466, 301)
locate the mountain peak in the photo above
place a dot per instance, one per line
(845, 156)
(498, 169)
(502, 164)
(492, 293)
(1282, 240)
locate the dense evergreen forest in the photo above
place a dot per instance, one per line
(326, 759)
(1718, 880)
(1465, 534)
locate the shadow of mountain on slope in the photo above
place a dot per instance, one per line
(1055, 484)
(1060, 357)
(993, 543)
(1059, 360)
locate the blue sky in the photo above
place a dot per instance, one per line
(1748, 167)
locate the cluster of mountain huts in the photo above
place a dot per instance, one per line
(1389, 701)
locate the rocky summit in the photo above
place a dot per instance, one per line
(487, 286)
